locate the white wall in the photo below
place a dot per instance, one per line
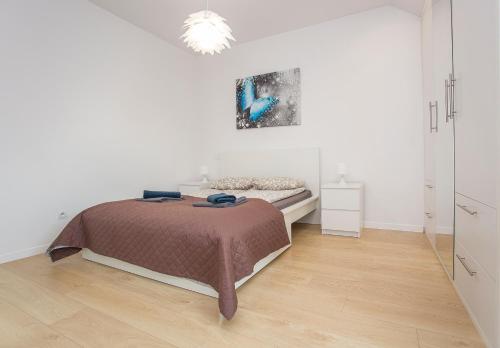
(361, 104)
(91, 108)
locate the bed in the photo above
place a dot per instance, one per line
(267, 238)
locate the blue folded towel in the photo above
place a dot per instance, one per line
(158, 194)
(238, 201)
(221, 198)
(159, 199)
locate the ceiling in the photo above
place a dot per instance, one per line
(249, 19)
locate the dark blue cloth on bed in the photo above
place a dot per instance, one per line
(158, 194)
(221, 198)
(203, 204)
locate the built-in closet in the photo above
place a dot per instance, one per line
(460, 68)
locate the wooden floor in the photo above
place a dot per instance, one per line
(384, 290)
(444, 246)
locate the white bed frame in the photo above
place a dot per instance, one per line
(299, 163)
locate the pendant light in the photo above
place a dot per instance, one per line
(207, 32)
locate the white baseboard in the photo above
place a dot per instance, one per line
(394, 227)
(20, 254)
(383, 226)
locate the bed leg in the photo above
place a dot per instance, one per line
(289, 230)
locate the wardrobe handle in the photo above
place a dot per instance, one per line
(447, 99)
(464, 207)
(431, 106)
(429, 215)
(430, 117)
(429, 186)
(452, 96)
(466, 266)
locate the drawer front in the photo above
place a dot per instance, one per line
(341, 220)
(478, 290)
(475, 226)
(346, 199)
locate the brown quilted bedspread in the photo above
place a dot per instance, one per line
(216, 246)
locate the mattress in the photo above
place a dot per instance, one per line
(266, 195)
(289, 201)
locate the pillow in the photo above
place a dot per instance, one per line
(278, 183)
(233, 183)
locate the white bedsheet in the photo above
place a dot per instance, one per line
(267, 195)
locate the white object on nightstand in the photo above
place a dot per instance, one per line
(187, 188)
(342, 209)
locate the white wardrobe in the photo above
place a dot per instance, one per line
(461, 89)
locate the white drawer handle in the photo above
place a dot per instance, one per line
(429, 215)
(464, 207)
(466, 266)
(429, 186)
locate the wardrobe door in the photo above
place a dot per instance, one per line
(442, 69)
(475, 56)
(476, 64)
(429, 133)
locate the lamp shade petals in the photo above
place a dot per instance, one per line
(207, 32)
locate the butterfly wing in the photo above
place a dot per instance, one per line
(261, 106)
(247, 95)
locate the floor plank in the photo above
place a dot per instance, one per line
(386, 289)
(95, 329)
(41, 303)
(414, 317)
(161, 320)
(430, 339)
(18, 329)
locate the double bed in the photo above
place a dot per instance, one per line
(206, 250)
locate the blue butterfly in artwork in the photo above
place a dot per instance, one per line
(257, 107)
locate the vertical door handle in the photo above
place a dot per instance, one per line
(433, 106)
(452, 96)
(430, 117)
(447, 99)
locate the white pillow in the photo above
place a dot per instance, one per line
(233, 183)
(278, 183)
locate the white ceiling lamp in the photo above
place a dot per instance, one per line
(207, 32)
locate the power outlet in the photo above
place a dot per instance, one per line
(63, 215)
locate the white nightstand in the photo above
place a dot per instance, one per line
(187, 188)
(342, 209)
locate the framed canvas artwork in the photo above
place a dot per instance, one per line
(268, 100)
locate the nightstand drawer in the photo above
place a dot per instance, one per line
(346, 199)
(341, 220)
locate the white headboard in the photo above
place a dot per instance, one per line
(296, 163)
